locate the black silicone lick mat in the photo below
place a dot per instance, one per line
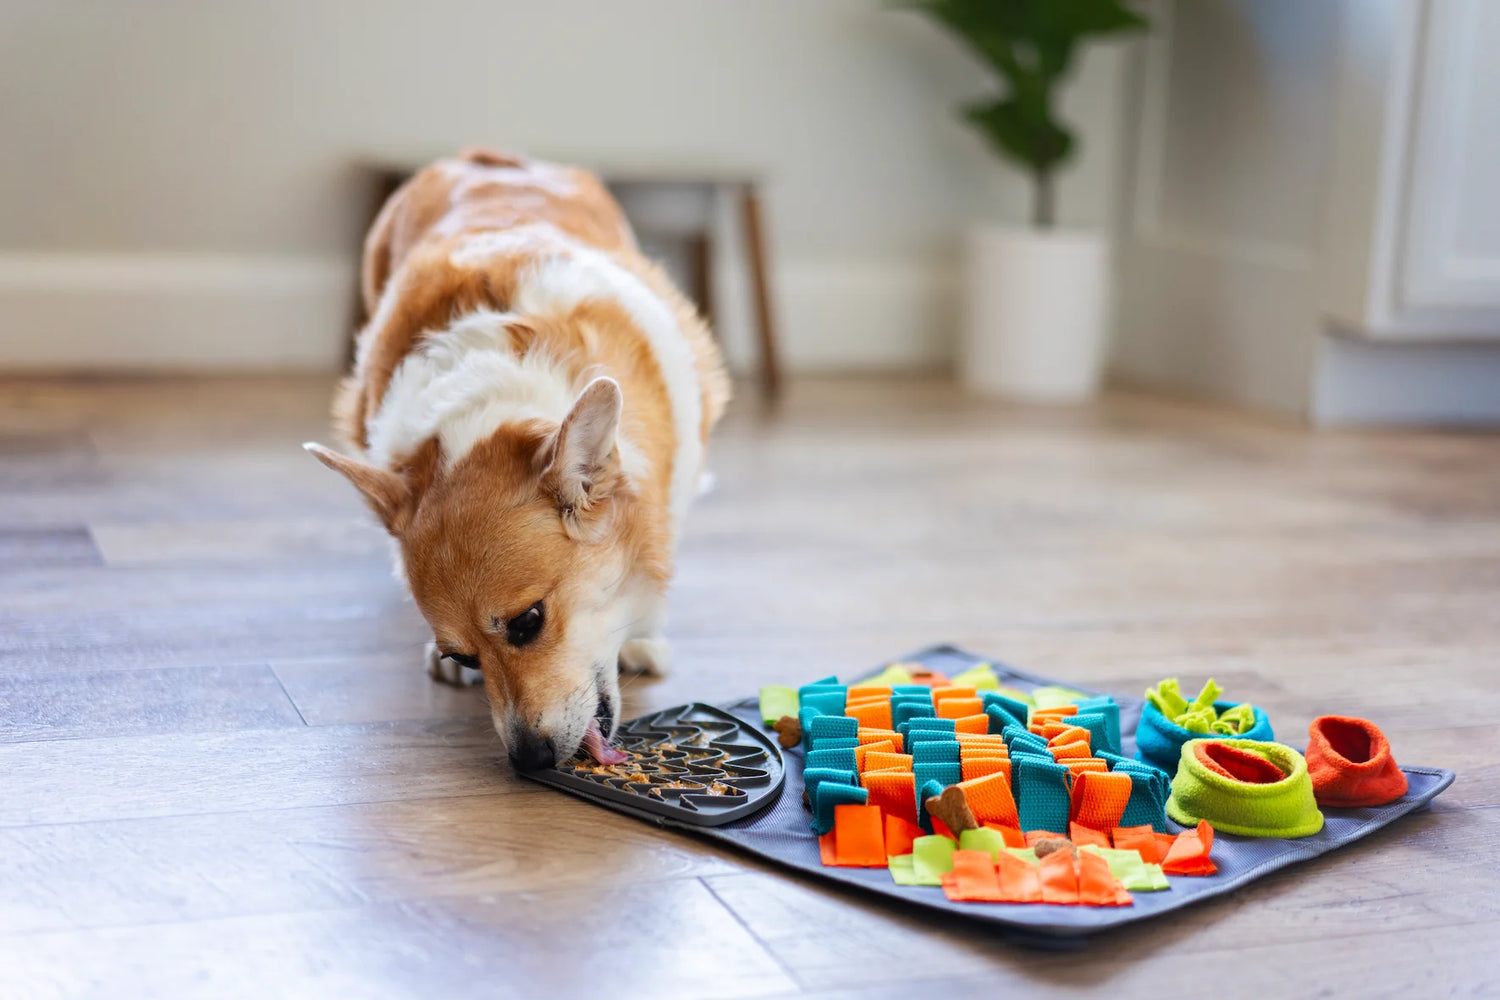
(694, 764)
(779, 832)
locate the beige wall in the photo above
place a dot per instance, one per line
(141, 136)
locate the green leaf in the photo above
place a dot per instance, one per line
(1029, 44)
(1018, 131)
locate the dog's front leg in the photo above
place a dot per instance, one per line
(647, 651)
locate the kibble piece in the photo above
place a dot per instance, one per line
(788, 731)
(1051, 845)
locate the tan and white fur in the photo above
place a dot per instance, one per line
(527, 416)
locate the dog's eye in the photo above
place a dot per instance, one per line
(463, 660)
(527, 625)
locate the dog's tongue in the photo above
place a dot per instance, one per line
(593, 742)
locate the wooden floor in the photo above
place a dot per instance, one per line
(222, 772)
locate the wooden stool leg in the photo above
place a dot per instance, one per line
(701, 249)
(755, 245)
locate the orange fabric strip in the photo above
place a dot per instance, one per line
(1064, 751)
(859, 836)
(899, 835)
(1096, 885)
(957, 708)
(971, 724)
(973, 878)
(990, 799)
(1072, 734)
(859, 692)
(1080, 834)
(875, 734)
(1189, 854)
(863, 751)
(978, 767)
(877, 760)
(1059, 878)
(827, 853)
(982, 753)
(895, 792)
(1099, 799)
(874, 715)
(1013, 836)
(1020, 882)
(942, 694)
(1140, 839)
(1077, 765)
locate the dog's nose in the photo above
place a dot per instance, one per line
(532, 751)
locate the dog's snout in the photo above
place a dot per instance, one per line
(531, 751)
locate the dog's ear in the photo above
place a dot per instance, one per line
(389, 494)
(583, 469)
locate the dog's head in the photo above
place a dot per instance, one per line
(514, 553)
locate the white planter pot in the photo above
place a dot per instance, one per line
(1035, 304)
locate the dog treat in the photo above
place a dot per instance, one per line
(788, 731)
(952, 807)
(1351, 764)
(1048, 845)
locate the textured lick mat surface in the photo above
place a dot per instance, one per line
(780, 833)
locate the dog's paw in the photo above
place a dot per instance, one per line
(447, 671)
(652, 657)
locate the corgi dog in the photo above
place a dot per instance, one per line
(527, 416)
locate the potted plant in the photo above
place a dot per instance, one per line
(1036, 298)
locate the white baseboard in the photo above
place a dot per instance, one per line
(1362, 383)
(851, 316)
(173, 312)
(179, 312)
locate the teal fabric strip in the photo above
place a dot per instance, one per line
(830, 794)
(1041, 791)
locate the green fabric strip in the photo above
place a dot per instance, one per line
(776, 701)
